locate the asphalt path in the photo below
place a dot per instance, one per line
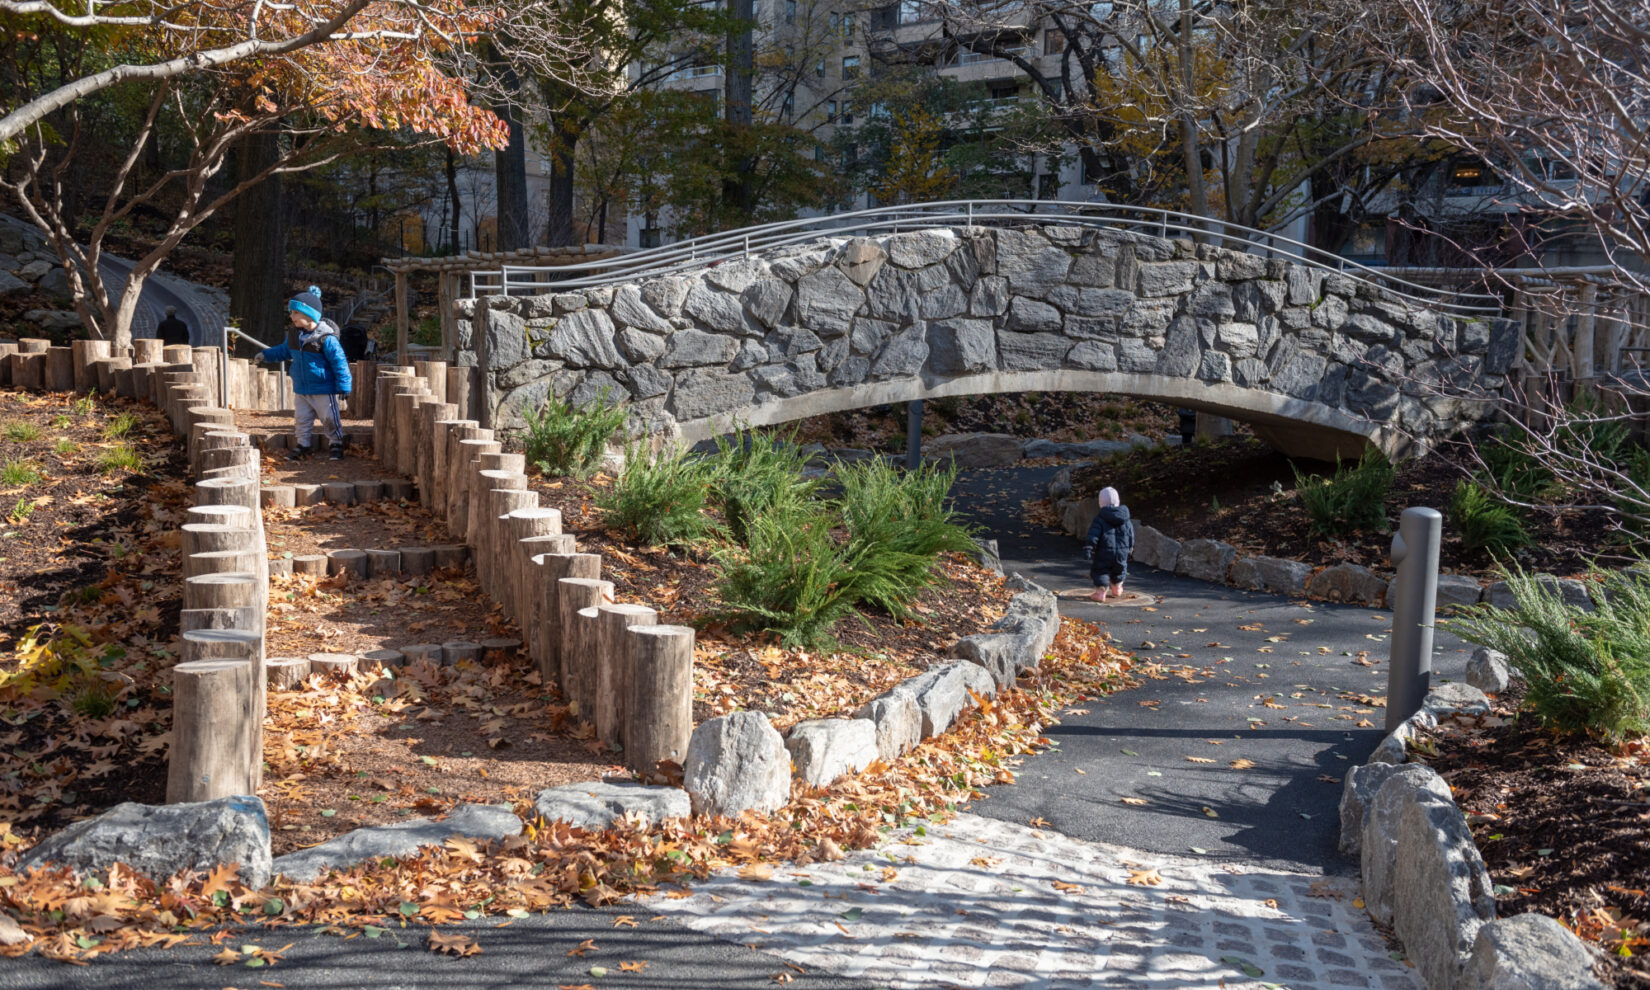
(532, 952)
(1247, 677)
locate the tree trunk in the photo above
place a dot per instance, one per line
(257, 285)
(562, 170)
(1190, 148)
(511, 167)
(736, 112)
(452, 196)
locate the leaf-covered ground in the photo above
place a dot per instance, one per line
(1563, 825)
(89, 595)
(554, 865)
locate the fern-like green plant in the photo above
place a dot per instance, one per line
(563, 439)
(1353, 499)
(1586, 672)
(753, 472)
(659, 501)
(904, 519)
(1486, 524)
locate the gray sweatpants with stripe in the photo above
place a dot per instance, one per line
(307, 408)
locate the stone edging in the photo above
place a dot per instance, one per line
(1220, 563)
(1423, 875)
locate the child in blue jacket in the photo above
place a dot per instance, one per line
(1110, 542)
(320, 373)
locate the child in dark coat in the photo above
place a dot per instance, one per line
(320, 373)
(1111, 540)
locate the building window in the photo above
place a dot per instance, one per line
(819, 152)
(789, 109)
(1048, 187)
(877, 111)
(847, 113)
(1054, 42)
(833, 22)
(885, 18)
(850, 67)
(1004, 92)
(790, 11)
(848, 27)
(652, 237)
(830, 111)
(1472, 174)
(819, 68)
(911, 11)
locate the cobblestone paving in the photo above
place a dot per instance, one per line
(984, 903)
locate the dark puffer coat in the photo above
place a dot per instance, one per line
(1111, 535)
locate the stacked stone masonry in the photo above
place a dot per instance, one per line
(844, 323)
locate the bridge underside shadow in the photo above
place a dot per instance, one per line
(1295, 427)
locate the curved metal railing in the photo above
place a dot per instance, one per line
(709, 249)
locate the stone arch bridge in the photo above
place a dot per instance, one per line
(1320, 363)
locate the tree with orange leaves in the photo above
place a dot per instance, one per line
(389, 65)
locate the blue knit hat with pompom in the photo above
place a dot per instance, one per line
(307, 303)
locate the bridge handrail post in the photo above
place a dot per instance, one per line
(1414, 614)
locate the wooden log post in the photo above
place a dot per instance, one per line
(459, 650)
(584, 628)
(238, 516)
(343, 664)
(612, 666)
(350, 562)
(435, 496)
(60, 369)
(28, 370)
(33, 345)
(142, 386)
(495, 542)
(286, 673)
(278, 497)
(451, 556)
(222, 589)
(552, 568)
(405, 402)
(429, 413)
(434, 374)
(84, 353)
(200, 538)
(310, 565)
(246, 647)
(220, 562)
(659, 706)
(125, 381)
(244, 460)
(517, 526)
(383, 563)
(532, 579)
(148, 350)
(578, 667)
(459, 392)
(383, 426)
(211, 754)
(478, 513)
(208, 362)
(242, 619)
(368, 490)
(466, 461)
(417, 561)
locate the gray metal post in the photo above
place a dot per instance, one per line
(1409, 669)
(913, 434)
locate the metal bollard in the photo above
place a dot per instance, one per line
(913, 434)
(1409, 670)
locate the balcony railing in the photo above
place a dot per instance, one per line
(975, 58)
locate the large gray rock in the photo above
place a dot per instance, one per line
(585, 340)
(897, 723)
(737, 763)
(940, 693)
(1455, 589)
(32, 271)
(1441, 893)
(920, 247)
(1447, 699)
(1528, 952)
(975, 450)
(1205, 560)
(1001, 654)
(721, 311)
(1154, 549)
(1031, 264)
(55, 283)
(630, 310)
(1378, 852)
(1357, 795)
(1274, 574)
(52, 319)
(699, 394)
(469, 821)
(824, 749)
(10, 283)
(1347, 583)
(1488, 670)
(596, 806)
(691, 348)
(826, 302)
(1575, 593)
(1395, 747)
(161, 840)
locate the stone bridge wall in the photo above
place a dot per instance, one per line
(1317, 361)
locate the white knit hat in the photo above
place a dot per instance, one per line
(1108, 496)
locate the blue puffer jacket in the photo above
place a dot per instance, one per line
(318, 365)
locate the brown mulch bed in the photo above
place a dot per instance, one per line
(750, 671)
(89, 596)
(1563, 826)
(1224, 490)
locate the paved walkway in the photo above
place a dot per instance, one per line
(984, 903)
